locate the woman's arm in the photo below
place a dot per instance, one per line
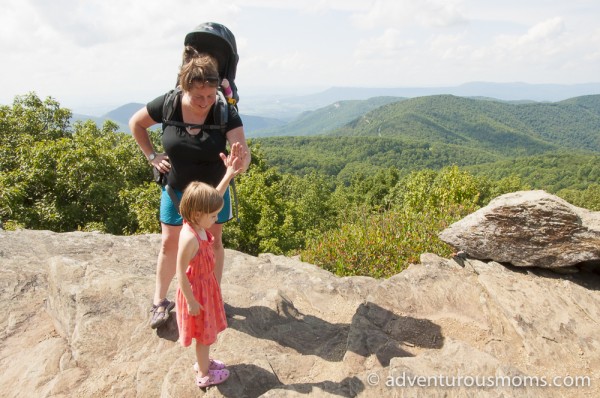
(139, 124)
(237, 135)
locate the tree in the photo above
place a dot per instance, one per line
(278, 212)
(588, 199)
(55, 178)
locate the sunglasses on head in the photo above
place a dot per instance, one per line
(209, 81)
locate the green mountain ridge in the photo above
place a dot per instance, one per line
(325, 119)
(437, 131)
(511, 129)
(552, 171)
(345, 156)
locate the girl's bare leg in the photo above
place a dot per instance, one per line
(202, 352)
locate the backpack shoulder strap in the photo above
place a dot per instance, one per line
(221, 112)
(171, 100)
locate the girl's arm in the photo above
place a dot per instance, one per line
(188, 246)
(233, 164)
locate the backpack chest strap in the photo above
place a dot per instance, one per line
(194, 126)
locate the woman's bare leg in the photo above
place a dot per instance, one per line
(167, 261)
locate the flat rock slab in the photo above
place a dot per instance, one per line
(77, 324)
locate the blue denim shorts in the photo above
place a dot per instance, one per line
(170, 216)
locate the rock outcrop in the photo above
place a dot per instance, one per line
(76, 307)
(529, 229)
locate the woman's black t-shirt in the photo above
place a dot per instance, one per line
(193, 157)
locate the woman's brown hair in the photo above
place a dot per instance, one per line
(198, 67)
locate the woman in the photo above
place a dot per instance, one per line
(191, 154)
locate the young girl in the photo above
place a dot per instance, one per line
(200, 309)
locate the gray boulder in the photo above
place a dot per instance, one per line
(529, 229)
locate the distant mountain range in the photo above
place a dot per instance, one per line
(501, 91)
(122, 114)
(287, 115)
(324, 119)
(289, 107)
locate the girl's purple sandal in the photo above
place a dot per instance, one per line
(214, 364)
(214, 377)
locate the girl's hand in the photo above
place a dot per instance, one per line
(194, 307)
(233, 162)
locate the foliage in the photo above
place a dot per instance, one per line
(380, 243)
(278, 212)
(427, 189)
(366, 190)
(552, 172)
(62, 180)
(343, 157)
(588, 198)
(356, 205)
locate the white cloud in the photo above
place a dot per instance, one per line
(276, 68)
(88, 50)
(312, 6)
(389, 44)
(450, 46)
(114, 51)
(543, 37)
(546, 29)
(406, 13)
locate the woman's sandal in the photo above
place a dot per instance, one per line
(214, 377)
(160, 317)
(214, 364)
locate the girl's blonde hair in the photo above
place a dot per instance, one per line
(199, 198)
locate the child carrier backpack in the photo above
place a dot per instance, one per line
(218, 41)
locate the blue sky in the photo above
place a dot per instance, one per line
(101, 54)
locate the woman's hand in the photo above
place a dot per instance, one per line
(161, 163)
(241, 153)
(237, 136)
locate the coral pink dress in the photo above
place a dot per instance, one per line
(211, 320)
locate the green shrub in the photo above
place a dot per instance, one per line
(382, 244)
(588, 198)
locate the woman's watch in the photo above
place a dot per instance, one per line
(152, 156)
